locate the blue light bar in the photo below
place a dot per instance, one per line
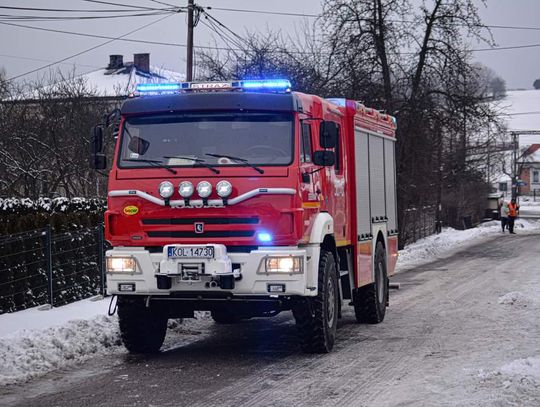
(158, 87)
(261, 85)
(266, 84)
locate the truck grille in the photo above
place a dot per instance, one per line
(208, 221)
(210, 233)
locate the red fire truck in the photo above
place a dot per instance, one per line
(246, 199)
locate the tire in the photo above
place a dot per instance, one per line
(142, 329)
(370, 301)
(225, 317)
(316, 318)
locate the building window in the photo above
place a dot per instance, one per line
(503, 186)
(305, 146)
(536, 176)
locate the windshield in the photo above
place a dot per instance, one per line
(198, 139)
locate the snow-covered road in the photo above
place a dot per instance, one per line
(463, 330)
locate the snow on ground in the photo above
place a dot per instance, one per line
(519, 378)
(34, 342)
(450, 240)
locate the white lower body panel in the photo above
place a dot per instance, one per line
(247, 269)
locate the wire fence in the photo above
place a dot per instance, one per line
(417, 223)
(38, 267)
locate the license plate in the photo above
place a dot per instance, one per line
(186, 252)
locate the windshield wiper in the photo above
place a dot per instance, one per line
(153, 163)
(238, 160)
(197, 160)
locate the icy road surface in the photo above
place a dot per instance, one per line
(461, 331)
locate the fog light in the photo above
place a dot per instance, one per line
(289, 264)
(224, 189)
(120, 265)
(185, 189)
(166, 189)
(204, 189)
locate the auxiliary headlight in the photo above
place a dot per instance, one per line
(289, 264)
(166, 189)
(120, 265)
(185, 189)
(224, 189)
(204, 189)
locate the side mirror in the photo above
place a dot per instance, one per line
(98, 161)
(138, 145)
(328, 134)
(324, 158)
(96, 140)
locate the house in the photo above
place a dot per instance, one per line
(119, 78)
(45, 130)
(530, 170)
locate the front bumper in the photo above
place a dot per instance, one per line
(241, 274)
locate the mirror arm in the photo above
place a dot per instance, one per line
(314, 171)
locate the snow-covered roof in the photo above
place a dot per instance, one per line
(123, 81)
(534, 156)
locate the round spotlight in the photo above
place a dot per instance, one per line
(185, 189)
(204, 189)
(166, 189)
(224, 189)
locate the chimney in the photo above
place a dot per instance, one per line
(142, 62)
(116, 61)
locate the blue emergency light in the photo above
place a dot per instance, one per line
(259, 85)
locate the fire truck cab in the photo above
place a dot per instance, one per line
(246, 199)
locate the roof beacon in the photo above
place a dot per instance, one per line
(262, 85)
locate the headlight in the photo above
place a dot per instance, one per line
(204, 189)
(224, 188)
(120, 265)
(166, 189)
(289, 264)
(185, 189)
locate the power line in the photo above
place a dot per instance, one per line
(89, 49)
(59, 10)
(504, 27)
(277, 13)
(109, 3)
(171, 44)
(521, 114)
(9, 17)
(506, 48)
(45, 60)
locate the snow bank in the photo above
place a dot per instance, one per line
(450, 240)
(519, 380)
(34, 342)
(31, 353)
(514, 297)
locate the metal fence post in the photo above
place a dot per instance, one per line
(48, 260)
(101, 259)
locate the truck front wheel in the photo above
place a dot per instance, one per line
(142, 328)
(316, 319)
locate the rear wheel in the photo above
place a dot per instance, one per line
(370, 301)
(142, 328)
(316, 318)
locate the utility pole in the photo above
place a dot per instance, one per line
(514, 167)
(189, 56)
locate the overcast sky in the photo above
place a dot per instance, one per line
(22, 50)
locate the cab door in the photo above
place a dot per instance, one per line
(309, 177)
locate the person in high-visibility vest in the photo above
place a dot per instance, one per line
(504, 215)
(513, 211)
